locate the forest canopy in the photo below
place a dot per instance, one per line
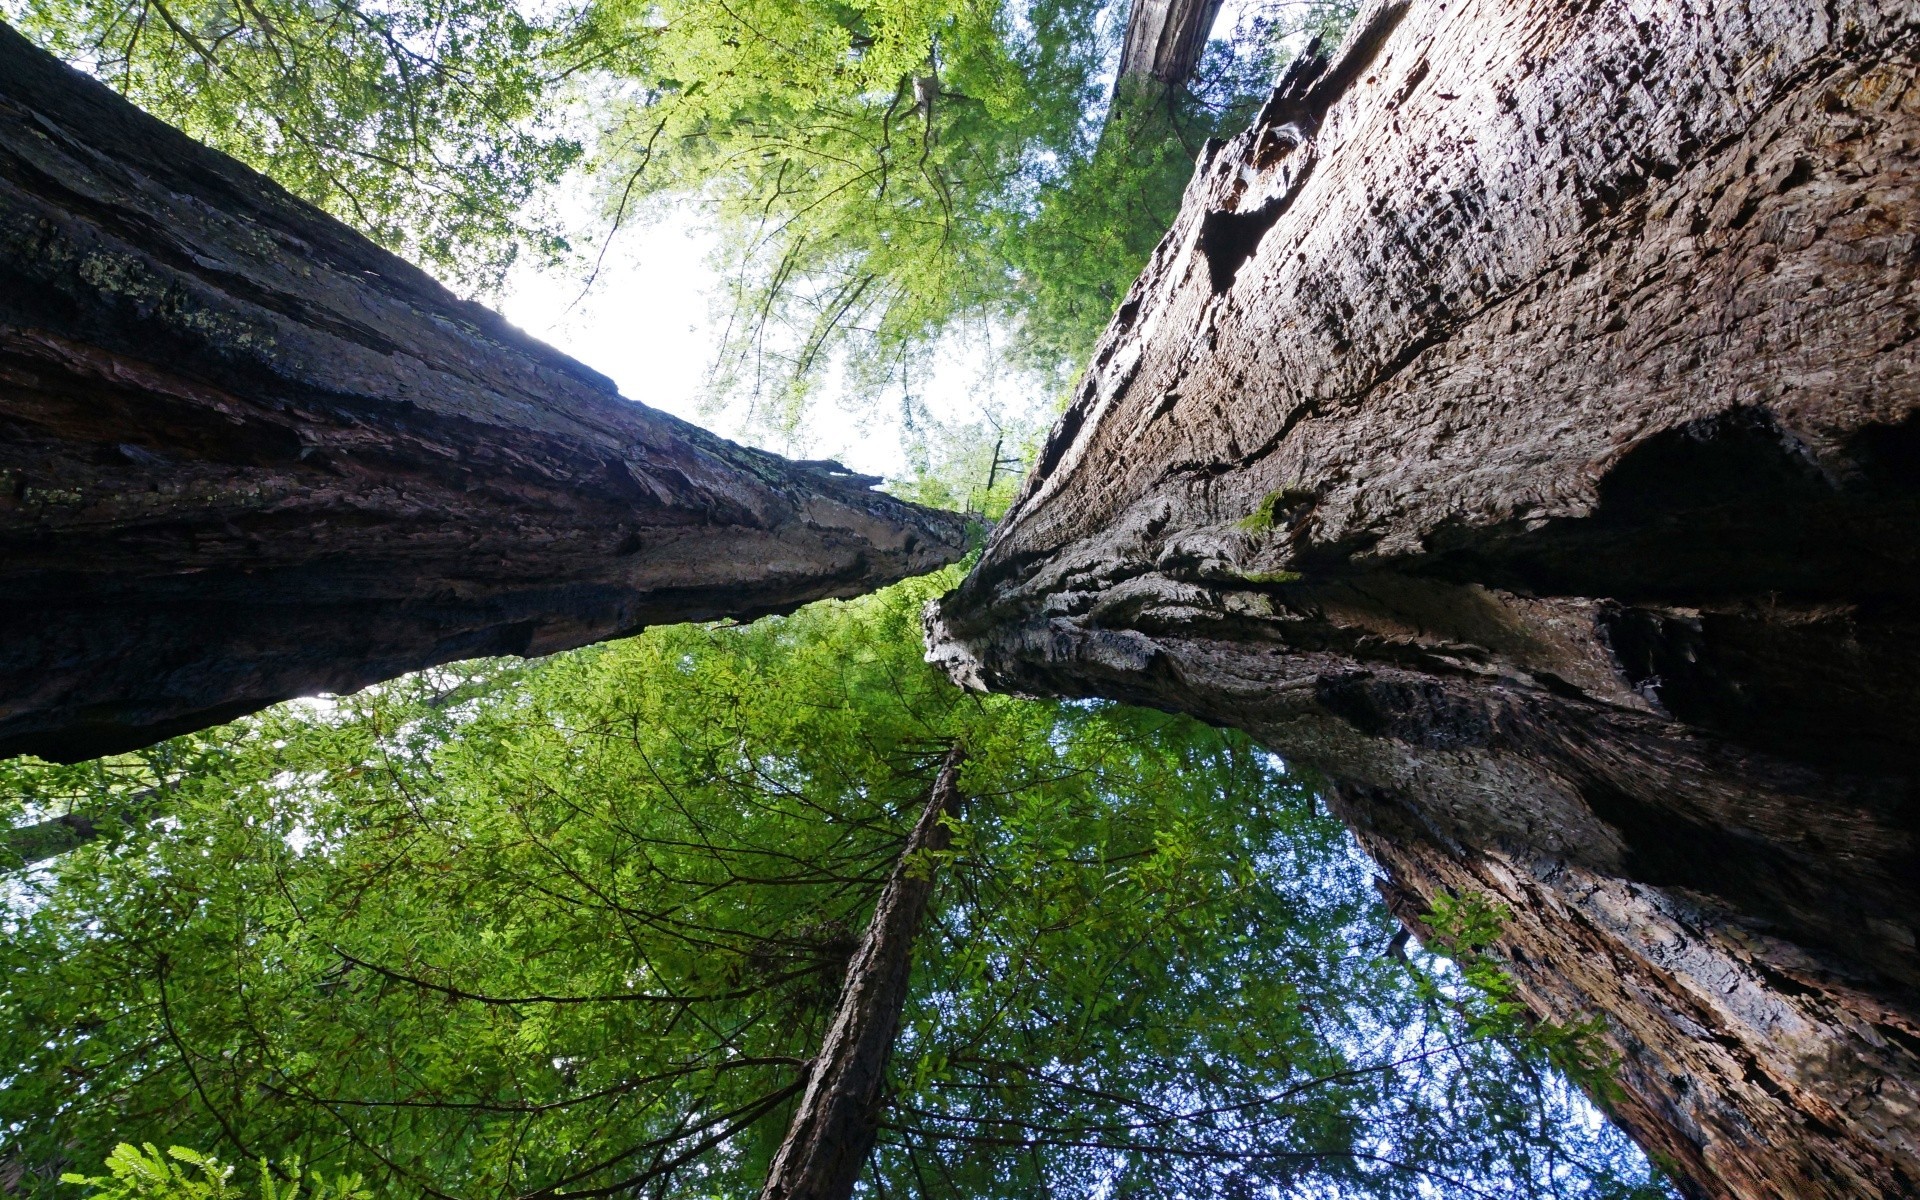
(577, 927)
(572, 928)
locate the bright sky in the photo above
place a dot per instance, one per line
(648, 323)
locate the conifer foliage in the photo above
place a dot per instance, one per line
(883, 173)
(574, 929)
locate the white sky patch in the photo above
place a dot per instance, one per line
(646, 322)
(649, 323)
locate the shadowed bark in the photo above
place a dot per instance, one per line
(245, 454)
(1518, 426)
(833, 1129)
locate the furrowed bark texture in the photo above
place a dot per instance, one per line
(1164, 40)
(1518, 425)
(245, 454)
(834, 1127)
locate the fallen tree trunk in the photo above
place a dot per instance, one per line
(245, 455)
(1518, 426)
(838, 1117)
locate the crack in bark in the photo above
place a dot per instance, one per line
(1605, 600)
(245, 454)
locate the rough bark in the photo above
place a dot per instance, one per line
(834, 1127)
(1164, 41)
(245, 454)
(1518, 425)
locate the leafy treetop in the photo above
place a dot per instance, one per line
(571, 928)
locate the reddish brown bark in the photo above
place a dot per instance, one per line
(834, 1127)
(1519, 426)
(245, 454)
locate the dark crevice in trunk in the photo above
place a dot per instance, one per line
(1580, 541)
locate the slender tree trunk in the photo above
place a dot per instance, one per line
(245, 454)
(839, 1114)
(1518, 425)
(1163, 42)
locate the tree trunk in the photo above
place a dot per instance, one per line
(245, 455)
(1518, 425)
(1164, 41)
(833, 1129)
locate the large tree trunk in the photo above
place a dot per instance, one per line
(1518, 425)
(838, 1117)
(245, 454)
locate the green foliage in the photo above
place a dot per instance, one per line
(889, 172)
(1093, 226)
(134, 1174)
(871, 164)
(1463, 927)
(116, 794)
(576, 925)
(430, 126)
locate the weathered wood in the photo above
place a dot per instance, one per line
(1518, 425)
(1164, 40)
(834, 1127)
(245, 454)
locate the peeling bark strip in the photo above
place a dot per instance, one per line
(1518, 425)
(833, 1129)
(245, 455)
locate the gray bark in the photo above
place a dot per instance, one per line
(245, 454)
(834, 1127)
(1519, 426)
(1164, 41)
